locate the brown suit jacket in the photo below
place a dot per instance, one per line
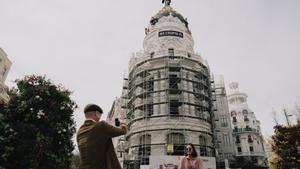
(96, 149)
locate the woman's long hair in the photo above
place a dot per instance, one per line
(194, 153)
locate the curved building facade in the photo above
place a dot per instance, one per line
(246, 128)
(169, 96)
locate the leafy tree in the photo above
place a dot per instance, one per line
(246, 162)
(287, 146)
(36, 126)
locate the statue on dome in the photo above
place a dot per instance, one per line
(166, 2)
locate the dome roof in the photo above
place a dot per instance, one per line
(168, 11)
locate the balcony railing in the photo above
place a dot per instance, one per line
(251, 154)
(241, 130)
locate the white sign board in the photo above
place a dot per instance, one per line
(172, 162)
(144, 167)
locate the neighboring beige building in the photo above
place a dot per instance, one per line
(223, 130)
(118, 110)
(5, 65)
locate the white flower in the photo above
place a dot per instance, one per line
(31, 109)
(62, 107)
(64, 130)
(40, 114)
(38, 97)
(59, 132)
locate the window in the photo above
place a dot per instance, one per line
(171, 52)
(202, 143)
(148, 109)
(239, 149)
(246, 119)
(174, 107)
(224, 121)
(250, 139)
(177, 141)
(237, 139)
(145, 149)
(233, 113)
(251, 149)
(148, 86)
(234, 120)
(199, 113)
(174, 69)
(173, 80)
(173, 84)
(226, 139)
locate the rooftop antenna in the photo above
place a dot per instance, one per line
(287, 115)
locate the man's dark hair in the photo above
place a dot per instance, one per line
(91, 108)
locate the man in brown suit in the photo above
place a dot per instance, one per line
(94, 140)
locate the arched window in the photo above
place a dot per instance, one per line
(203, 146)
(145, 149)
(245, 112)
(176, 144)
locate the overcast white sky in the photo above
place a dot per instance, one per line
(86, 45)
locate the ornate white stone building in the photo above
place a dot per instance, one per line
(169, 97)
(5, 65)
(246, 128)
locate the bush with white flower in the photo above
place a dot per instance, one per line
(36, 126)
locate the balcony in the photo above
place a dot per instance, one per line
(244, 130)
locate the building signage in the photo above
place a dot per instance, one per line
(170, 33)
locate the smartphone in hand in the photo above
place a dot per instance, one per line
(117, 122)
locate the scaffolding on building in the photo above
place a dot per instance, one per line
(188, 94)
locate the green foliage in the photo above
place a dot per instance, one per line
(36, 126)
(286, 145)
(246, 162)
